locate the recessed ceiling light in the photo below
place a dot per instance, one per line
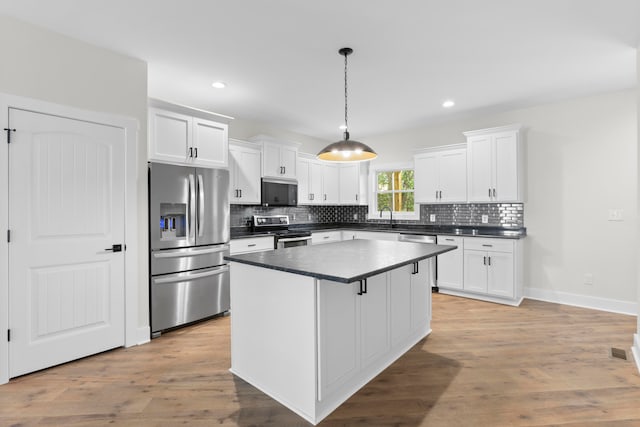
(448, 103)
(219, 85)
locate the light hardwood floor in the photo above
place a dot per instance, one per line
(483, 365)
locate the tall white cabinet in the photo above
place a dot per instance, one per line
(244, 170)
(182, 135)
(495, 165)
(279, 158)
(440, 174)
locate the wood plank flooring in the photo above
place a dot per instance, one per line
(484, 364)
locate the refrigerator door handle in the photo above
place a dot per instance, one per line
(193, 252)
(192, 207)
(183, 277)
(200, 205)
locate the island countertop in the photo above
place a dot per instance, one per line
(346, 261)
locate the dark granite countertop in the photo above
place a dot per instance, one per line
(346, 261)
(450, 230)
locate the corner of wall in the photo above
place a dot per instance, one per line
(636, 350)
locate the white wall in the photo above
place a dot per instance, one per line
(44, 65)
(244, 129)
(582, 161)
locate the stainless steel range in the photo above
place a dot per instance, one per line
(279, 226)
(189, 236)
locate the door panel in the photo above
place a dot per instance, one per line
(501, 281)
(66, 206)
(506, 170)
(374, 319)
(212, 194)
(475, 271)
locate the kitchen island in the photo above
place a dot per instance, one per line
(311, 325)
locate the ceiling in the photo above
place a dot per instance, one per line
(281, 63)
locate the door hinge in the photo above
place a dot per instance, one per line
(9, 134)
(8, 335)
(8, 236)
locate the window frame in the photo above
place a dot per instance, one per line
(374, 212)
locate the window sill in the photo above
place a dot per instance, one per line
(396, 216)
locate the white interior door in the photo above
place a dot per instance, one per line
(66, 207)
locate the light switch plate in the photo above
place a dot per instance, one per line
(432, 218)
(616, 215)
(485, 219)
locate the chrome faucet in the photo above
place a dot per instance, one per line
(390, 215)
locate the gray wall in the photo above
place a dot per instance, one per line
(44, 65)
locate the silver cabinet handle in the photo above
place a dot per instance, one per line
(436, 194)
(449, 240)
(489, 193)
(326, 237)
(250, 245)
(183, 277)
(494, 192)
(201, 205)
(325, 197)
(356, 197)
(190, 252)
(489, 259)
(484, 260)
(488, 246)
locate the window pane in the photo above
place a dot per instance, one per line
(406, 203)
(384, 181)
(384, 200)
(406, 180)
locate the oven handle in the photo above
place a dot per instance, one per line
(193, 252)
(294, 239)
(183, 277)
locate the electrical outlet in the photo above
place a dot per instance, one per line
(432, 218)
(485, 219)
(616, 215)
(588, 279)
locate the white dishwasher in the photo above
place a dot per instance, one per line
(433, 266)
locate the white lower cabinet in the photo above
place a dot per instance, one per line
(490, 269)
(320, 237)
(451, 264)
(376, 235)
(251, 244)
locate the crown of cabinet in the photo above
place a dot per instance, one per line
(187, 136)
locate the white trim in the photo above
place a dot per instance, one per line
(130, 127)
(481, 297)
(144, 335)
(373, 213)
(584, 301)
(636, 350)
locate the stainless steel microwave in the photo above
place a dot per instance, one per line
(279, 192)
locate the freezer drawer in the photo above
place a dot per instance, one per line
(181, 298)
(177, 260)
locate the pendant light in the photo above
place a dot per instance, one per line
(346, 150)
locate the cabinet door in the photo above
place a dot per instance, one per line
(453, 176)
(400, 303)
(235, 160)
(331, 183)
(506, 167)
(349, 184)
(288, 160)
(271, 161)
(500, 278)
(315, 182)
(475, 271)
(450, 264)
(426, 178)
(338, 334)
(170, 136)
(210, 143)
(421, 296)
(304, 192)
(479, 166)
(374, 320)
(248, 177)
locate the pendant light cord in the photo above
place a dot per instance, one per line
(346, 123)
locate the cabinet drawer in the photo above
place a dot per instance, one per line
(326, 237)
(252, 244)
(451, 240)
(483, 244)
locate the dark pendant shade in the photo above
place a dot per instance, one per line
(347, 151)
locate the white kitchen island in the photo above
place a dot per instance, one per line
(311, 325)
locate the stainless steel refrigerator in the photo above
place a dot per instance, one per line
(188, 238)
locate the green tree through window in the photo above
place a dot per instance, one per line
(395, 190)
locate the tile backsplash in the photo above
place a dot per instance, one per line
(498, 214)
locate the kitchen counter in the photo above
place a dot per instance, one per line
(450, 230)
(311, 325)
(345, 261)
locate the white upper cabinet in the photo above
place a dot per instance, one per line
(244, 172)
(331, 183)
(309, 181)
(441, 174)
(353, 183)
(279, 158)
(495, 165)
(180, 135)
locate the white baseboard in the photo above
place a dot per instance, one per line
(144, 335)
(636, 350)
(596, 303)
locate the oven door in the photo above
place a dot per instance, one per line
(290, 242)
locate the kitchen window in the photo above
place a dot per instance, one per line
(393, 187)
